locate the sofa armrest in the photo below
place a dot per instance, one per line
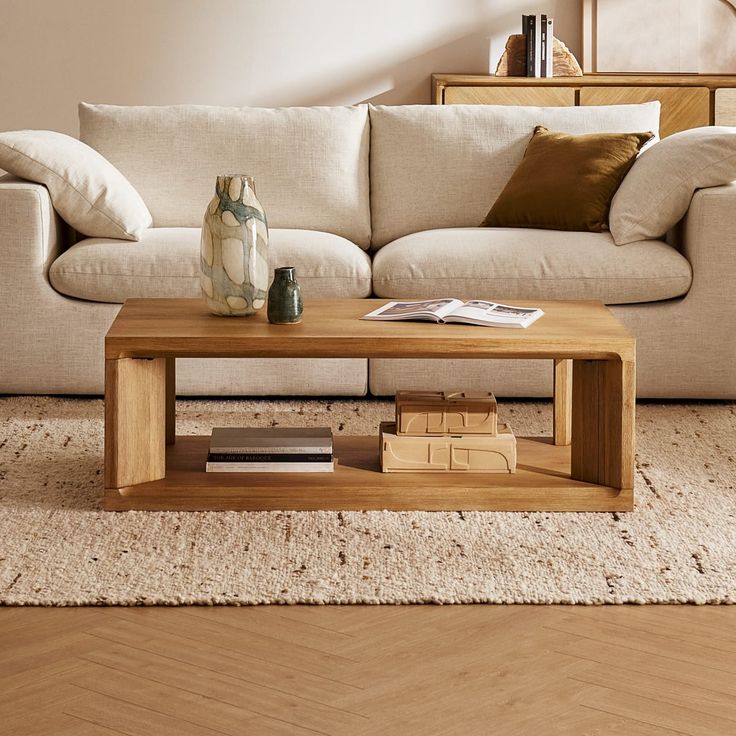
(31, 233)
(709, 244)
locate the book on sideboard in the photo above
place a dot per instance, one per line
(539, 33)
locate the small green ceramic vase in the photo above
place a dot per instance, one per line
(285, 298)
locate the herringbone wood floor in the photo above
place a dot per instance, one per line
(630, 671)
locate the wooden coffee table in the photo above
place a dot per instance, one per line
(586, 465)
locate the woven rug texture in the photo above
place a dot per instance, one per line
(58, 548)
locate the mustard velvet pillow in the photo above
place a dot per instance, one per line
(566, 182)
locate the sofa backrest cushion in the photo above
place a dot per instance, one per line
(438, 166)
(310, 164)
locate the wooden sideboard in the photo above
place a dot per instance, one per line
(688, 100)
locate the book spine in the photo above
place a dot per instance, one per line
(269, 467)
(543, 46)
(550, 47)
(530, 46)
(276, 450)
(537, 46)
(269, 457)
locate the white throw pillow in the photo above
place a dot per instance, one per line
(655, 194)
(85, 188)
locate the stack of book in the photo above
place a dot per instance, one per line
(447, 432)
(270, 450)
(538, 30)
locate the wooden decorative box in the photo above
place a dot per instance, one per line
(401, 453)
(422, 413)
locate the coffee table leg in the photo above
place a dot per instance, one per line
(562, 402)
(170, 401)
(135, 421)
(603, 407)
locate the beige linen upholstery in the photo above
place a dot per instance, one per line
(506, 264)
(52, 344)
(87, 191)
(310, 164)
(438, 166)
(657, 191)
(166, 264)
(685, 347)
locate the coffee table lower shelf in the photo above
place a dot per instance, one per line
(542, 483)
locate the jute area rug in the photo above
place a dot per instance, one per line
(58, 548)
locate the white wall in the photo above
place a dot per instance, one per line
(54, 53)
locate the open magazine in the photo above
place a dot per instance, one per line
(473, 312)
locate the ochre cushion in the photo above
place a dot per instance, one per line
(439, 166)
(566, 182)
(506, 264)
(166, 264)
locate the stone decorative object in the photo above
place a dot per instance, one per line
(513, 60)
(285, 297)
(234, 249)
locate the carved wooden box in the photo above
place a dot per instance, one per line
(401, 453)
(440, 412)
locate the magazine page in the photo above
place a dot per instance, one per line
(480, 312)
(473, 309)
(433, 310)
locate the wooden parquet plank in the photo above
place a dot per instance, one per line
(54, 671)
(122, 637)
(255, 645)
(695, 675)
(363, 670)
(657, 644)
(677, 718)
(687, 623)
(276, 627)
(153, 694)
(661, 689)
(192, 683)
(20, 657)
(70, 726)
(133, 720)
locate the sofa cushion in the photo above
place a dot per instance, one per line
(86, 189)
(656, 193)
(566, 182)
(310, 164)
(438, 166)
(506, 264)
(166, 264)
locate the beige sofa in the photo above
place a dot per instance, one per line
(362, 200)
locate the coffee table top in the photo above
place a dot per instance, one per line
(331, 328)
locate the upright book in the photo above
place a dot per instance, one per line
(537, 45)
(528, 23)
(549, 48)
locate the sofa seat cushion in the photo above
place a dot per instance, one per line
(505, 264)
(165, 263)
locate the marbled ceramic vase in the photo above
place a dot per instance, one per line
(234, 249)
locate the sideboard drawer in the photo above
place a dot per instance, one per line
(535, 96)
(682, 107)
(725, 107)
